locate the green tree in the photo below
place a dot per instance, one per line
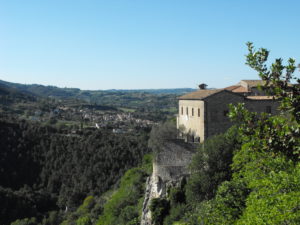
(26, 221)
(160, 133)
(159, 209)
(279, 79)
(211, 165)
(125, 205)
(268, 162)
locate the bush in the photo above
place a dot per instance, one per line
(211, 165)
(84, 221)
(26, 221)
(124, 206)
(160, 133)
(159, 208)
(175, 213)
(176, 196)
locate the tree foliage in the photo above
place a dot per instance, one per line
(125, 205)
(160, 133)
(59, 170)
(159, 209)
(279, 79)
(211, 165)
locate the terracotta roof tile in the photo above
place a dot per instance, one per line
(230, 88)
(200, 94)
(241, 89)
(237, 89)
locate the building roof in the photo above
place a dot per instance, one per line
(244, 86)
(241, 90)
(200, 94)
(230, 88)
(253, 83)
(237, 89)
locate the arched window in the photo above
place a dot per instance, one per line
(187, 111)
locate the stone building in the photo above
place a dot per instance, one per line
(203, 113)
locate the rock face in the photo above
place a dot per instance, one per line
(170, 166)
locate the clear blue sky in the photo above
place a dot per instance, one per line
(133, 44)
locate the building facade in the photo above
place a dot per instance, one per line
(204, 113)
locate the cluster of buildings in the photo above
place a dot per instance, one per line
(203, 113)
(118, 121)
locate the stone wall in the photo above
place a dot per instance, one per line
(260, 106)
(193, 122)
(170, 166)
(172, 161)
(257, 92)
(216, 108)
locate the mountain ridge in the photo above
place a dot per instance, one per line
(40, 89)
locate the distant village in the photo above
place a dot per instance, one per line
(118, 121)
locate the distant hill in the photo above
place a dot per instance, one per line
(52, 91)
(43, 91)
(9, 94)
(177, 91)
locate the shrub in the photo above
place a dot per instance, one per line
(159, 208)
(211, 165)
(124, 206)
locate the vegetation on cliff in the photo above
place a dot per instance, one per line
(125, 204)
(210, 167)
(120, 206)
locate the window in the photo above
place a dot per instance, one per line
(187, 111)
(268, 109)
(198, 112)
(192, 111)
(181, 110)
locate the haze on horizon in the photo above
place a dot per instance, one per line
(127, 44)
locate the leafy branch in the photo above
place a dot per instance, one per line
(279, 79)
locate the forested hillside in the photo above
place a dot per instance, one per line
(146, 99)
(43, 169)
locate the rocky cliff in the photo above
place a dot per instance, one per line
(170, 166)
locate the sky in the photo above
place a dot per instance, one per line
(141, 44)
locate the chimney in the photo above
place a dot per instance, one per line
(202, 86)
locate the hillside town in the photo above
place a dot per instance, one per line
(117, 120)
